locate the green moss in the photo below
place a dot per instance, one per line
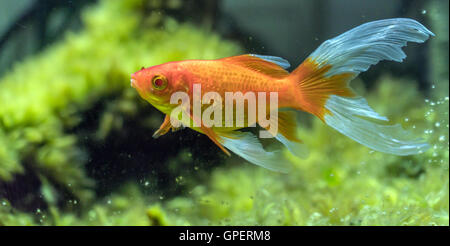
(11, 217)
(126, 207)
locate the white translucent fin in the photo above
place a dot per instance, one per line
(355, 119)
(297, 149)
(356, 50)
(247, 146)
(275, 59)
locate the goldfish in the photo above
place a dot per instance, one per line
(320, 85)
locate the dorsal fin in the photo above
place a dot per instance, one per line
(267, 65)
(275, 59)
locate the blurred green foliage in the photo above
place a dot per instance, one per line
(45, 98)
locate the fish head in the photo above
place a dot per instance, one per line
(156, 84)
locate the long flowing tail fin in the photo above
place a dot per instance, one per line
(323, 82)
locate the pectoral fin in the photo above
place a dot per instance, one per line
(165, 127)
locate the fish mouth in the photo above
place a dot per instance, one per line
(133, 83)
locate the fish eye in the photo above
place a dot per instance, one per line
(159, 82)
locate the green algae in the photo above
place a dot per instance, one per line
(44, 101)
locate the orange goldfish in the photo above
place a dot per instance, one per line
(319, 85)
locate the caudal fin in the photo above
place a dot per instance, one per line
(323, 83)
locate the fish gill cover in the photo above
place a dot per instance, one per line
(76, 146)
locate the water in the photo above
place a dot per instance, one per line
(76, 144)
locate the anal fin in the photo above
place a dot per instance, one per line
(287, 134)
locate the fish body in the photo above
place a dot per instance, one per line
(221, 76)
(320, 86)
